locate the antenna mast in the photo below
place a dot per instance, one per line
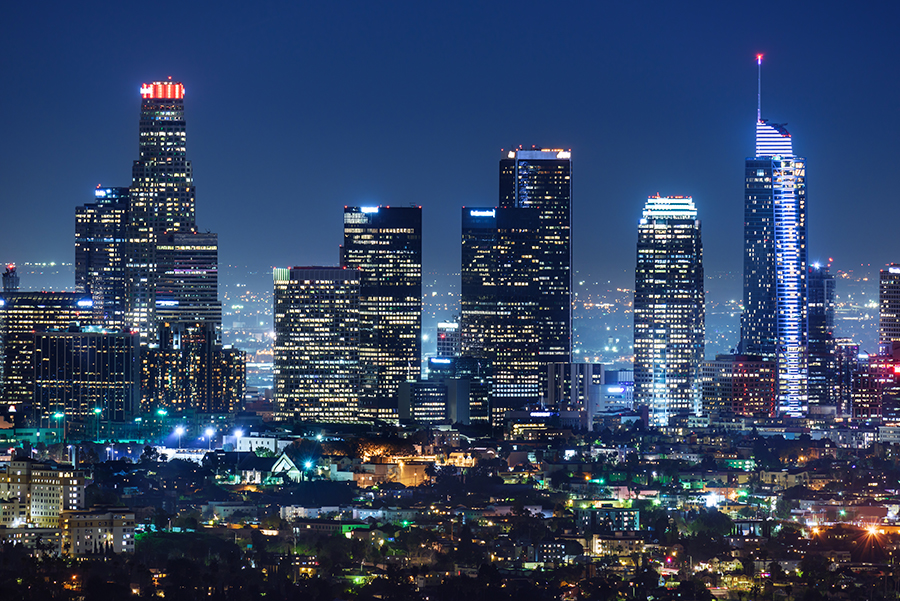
(759, 87)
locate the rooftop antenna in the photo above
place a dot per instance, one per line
(759, 87)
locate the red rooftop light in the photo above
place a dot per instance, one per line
(162, 89)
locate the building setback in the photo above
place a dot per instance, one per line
(516, 277)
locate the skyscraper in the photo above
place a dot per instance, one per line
(516, 277)
(385, 245)
(541, 180)
(317, 348)
(161, 197)
(100, 237)
(669, 309)
(823, 385)
(774, 321)
(139, 254)
(22, 315)
(889, 301)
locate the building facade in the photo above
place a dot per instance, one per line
(22, 314)
(889, 304)
(46, 490)
(100, 239)
(87, 373)
(385, 245)
(669, 309)
(822, 383)
(317, 344)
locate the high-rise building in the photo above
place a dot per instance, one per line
(738, 385)
(385, 245)
(87, 373)
(317, 343)
(10, 279)
(161, 197)
(774, 321)
(889, 302)
(541, 180)
(822, 383)
(516, 277)
(148, 269)
(669, 309)
(187, 280)
(22, 314)
(449, 338)
(100, 238)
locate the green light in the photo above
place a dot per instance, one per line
(98, 411)
(161, 412)
(59, 415)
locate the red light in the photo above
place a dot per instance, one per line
(162, 89)
(897, 370)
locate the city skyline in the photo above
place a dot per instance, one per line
(444, 100)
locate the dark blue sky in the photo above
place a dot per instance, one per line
(297, 109)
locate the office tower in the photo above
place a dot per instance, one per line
(889, 302)
(500, 304)
(22, 314)
(434, 401)
(738, 385)
(100, 238)
(822, 362)
(187, 280)
(140, 256)
(846, 364)
(774, 321)
(385, 245)
(573, 386)
(317, 343)
(189, 369)
(541, 180)
(10, 279)
(87, 373)
(477, 374)
(669, 309)
(161, 197)
(449, 338)
(516, 277)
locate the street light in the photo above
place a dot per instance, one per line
(209, 434)
(61, 416)
(97, 412)
(180, 432)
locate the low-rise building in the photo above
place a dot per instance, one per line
(45, 489)
(99, 530)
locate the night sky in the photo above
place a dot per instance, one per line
(296, 109)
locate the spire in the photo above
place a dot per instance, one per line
(759, 87)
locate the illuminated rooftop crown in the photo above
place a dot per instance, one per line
(772, 140)
(669, 207)
(163, 89)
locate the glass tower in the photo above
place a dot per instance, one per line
(317, 343)
(100, 236)
(774, 321)
(385, 245)
(669, 309)
(516, 277)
